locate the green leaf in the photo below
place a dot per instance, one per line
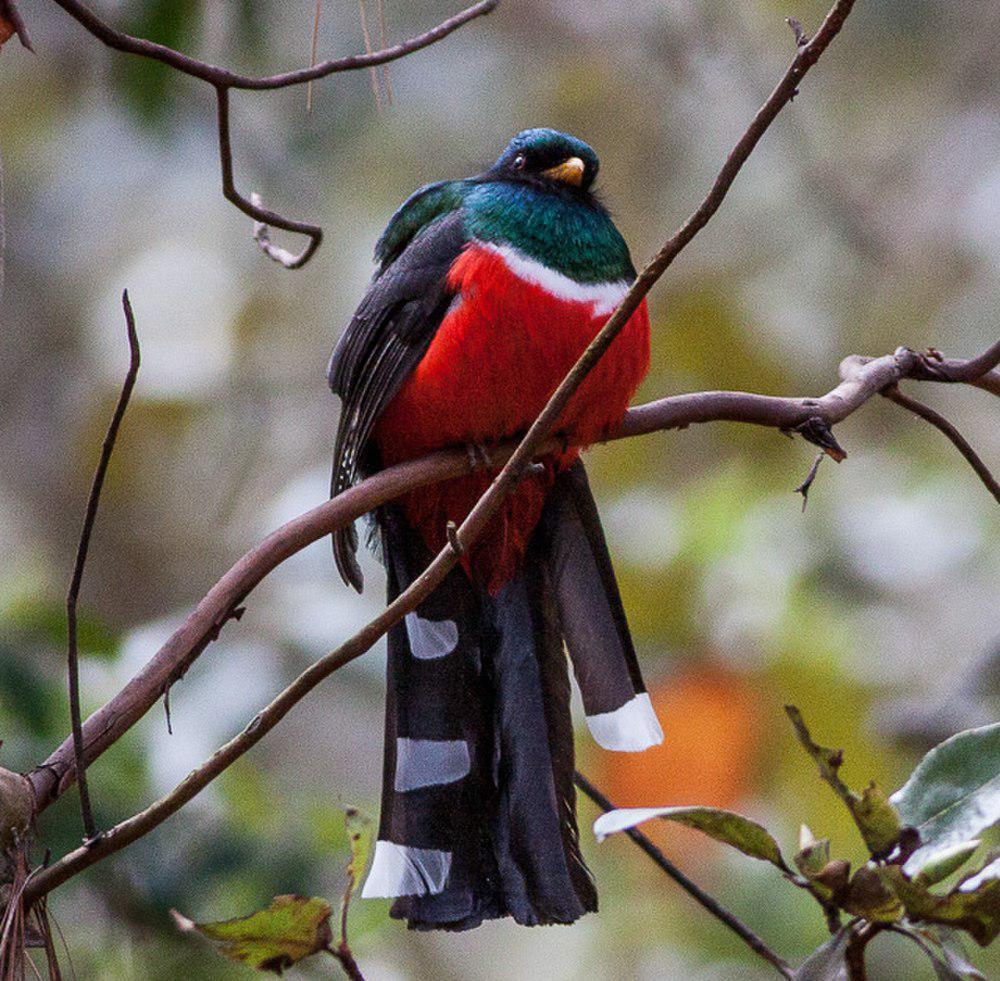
(874, 815)
(953, 795)
(947, 861)
(826, 963)
(291, 928)
(973, 906)
(878, 820)
(725, 826)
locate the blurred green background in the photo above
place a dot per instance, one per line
(868, 218)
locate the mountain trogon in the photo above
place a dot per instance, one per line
(486, 292)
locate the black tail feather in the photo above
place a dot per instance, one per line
(592, 618)
(478, 803)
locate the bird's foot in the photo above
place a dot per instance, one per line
(477, 456)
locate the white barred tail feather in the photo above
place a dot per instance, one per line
(592, 619)
(478, 804)
(629, 729)
(400, 870)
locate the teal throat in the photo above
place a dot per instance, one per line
(573, 236)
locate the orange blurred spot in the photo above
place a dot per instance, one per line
(712, 733)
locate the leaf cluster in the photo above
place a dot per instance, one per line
(920, 880)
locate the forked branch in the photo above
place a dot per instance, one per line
(224, 79)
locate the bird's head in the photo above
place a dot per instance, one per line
(549, 158)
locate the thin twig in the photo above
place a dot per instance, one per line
(893, 394)
(451, 530)
(373, 70)
(933, 366)
(383, 39)
(801, 40)
(346, 958)
(312, 54)
(699, 895)
(81, 560)
(806, 484)
(530, 445)
(863, 379)
(262, 216)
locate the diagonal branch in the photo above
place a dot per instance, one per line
(530, 446)
(81, 560)
(893, 394)
(866, 378)
(695, 891)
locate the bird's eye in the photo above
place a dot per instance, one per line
(519, 161)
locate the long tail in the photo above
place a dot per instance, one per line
(478, 806)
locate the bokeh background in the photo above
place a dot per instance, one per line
(868, 218)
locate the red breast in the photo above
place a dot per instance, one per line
(499, 354)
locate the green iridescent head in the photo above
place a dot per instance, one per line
(537, 198)
(546, 156)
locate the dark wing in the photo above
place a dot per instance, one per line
(385, 340)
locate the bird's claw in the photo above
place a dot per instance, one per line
(477, 456)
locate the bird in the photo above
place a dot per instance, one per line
(486, 291)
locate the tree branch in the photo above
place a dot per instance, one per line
(223, 79)
(82, 548)
(860, 382)
(217, 76)
(109, 723)
(701, 897)
(262, 216)
(893, 394)
(120, 713)
(976, 371)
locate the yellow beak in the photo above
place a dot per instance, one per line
(570, 171)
